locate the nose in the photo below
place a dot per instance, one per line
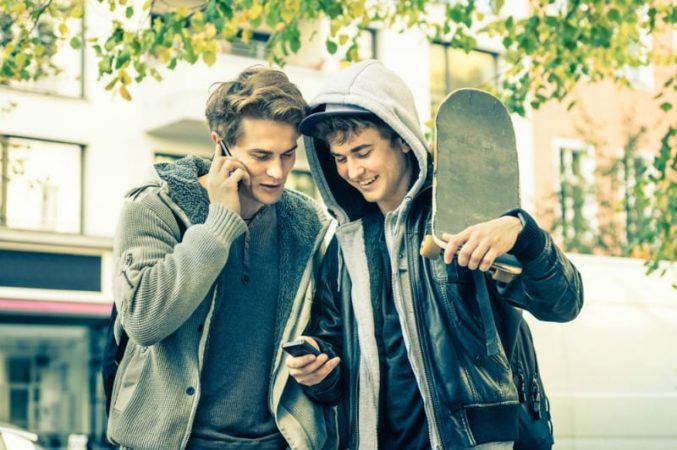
(275, 169)
(355, 169)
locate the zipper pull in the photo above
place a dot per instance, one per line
(535, 399)
(522, 386)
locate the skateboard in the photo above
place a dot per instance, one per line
(475, 170)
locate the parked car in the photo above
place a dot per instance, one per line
(14, 438)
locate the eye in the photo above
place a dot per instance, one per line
(363, 153)
(339, 159)
(288, 155)
(261, 156)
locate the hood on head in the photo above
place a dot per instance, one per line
(364, 88)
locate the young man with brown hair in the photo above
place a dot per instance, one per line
(432, 350)
(214, 265)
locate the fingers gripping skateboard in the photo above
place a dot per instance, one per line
(500, 271)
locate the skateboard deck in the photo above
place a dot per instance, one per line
(475, 170)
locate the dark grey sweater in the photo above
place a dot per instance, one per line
(233, 410)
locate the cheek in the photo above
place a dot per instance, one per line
(288, 165)
(342, 170)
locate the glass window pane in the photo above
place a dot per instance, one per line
(19, 370)
(302, 181)
(18, 401)
(475, 69)
(366, 44)
(452, 69)
(43, 185)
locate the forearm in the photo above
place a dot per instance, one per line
(550, 287)
(160, 282)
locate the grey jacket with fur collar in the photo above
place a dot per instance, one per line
(164, 289)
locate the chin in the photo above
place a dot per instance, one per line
(268, 199)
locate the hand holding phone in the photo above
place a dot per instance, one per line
(307, 370)
(300, 347)
(226, 152)
(223, 180)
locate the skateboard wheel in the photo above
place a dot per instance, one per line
(429, 249)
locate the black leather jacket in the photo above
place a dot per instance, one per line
(467, 375)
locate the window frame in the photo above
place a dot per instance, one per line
(4, 178)
(590, 207)
(496, 57)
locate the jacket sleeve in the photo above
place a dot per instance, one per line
(326, 327)
(159, 281)
(549, 287)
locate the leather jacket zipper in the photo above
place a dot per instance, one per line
(416, 290)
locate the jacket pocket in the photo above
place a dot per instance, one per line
(129, 376)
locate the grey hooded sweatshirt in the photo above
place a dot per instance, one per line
(165, 289)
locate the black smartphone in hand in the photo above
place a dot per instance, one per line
(224, 148)
(300, 347)
(226, 152)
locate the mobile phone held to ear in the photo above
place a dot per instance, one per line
(224, 148)
(300, 347)
(226, 152)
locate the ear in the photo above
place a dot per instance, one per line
(214, 137)
(404, 146)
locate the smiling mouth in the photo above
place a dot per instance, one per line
(366, 182)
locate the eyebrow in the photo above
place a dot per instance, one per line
(354, 149)
(269, 152)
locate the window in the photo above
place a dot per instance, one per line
(636, 193)
(69, 80)
(41, 185)
(640, 74)
(302, 181)
(254, 47)
(452, 68)
(167, 157)
(367, 44)
(577, 198)
(19, 372)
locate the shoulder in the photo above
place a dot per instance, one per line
(143, 203)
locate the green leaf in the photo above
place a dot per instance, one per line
(76, 43)
(129, 12)
(666, 106)
(551, 21)
(614, 15)
(331, 46)
(122, 59)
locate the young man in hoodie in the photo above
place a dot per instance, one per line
(426, 345)
(214, 265)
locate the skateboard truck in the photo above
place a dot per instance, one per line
(504, 269)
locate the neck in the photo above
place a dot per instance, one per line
(249, 208)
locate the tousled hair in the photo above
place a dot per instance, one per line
(258, 92)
